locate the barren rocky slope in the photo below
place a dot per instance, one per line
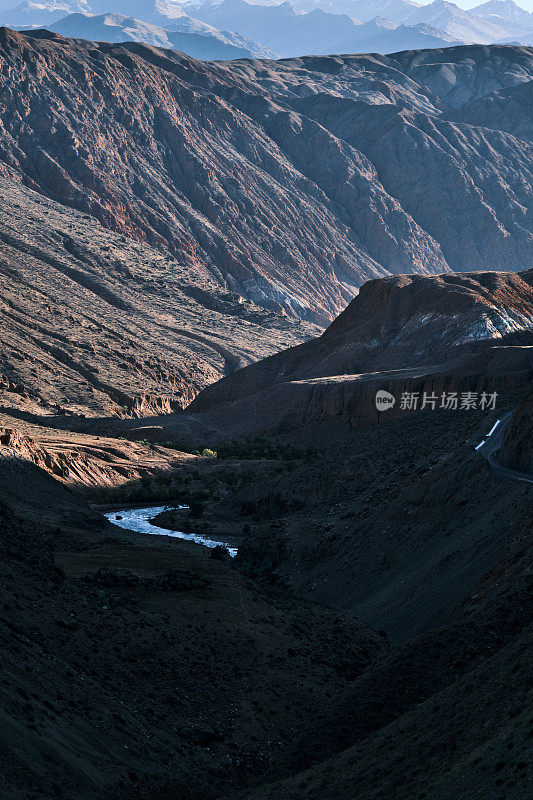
(96, 323)
(517, 445)
(408, 333)
(505, 110)
(290, 182)
(82, 461)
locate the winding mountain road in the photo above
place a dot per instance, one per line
(492, 443)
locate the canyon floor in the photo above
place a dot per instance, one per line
(369, 640)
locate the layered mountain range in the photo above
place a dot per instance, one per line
(211, 29)
(494, 21)
(288, 31)
(185, 34)
(289, 183)
(361, 26)
(498, 15)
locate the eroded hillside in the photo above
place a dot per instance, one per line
(469, 332)
(96, 323)
(290, 182)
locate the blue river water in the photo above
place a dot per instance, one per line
(137, 519)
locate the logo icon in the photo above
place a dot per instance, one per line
(384, 400)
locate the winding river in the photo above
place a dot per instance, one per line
(137, 519)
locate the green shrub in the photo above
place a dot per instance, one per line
(207, 453)
(259, 448)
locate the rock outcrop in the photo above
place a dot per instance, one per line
(412, 334)
(82, 461)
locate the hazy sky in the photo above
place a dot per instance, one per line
(527, 4)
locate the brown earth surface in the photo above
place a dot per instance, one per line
(289, 182)
(432, 335)
(94, 323)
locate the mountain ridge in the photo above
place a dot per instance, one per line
(190, 36)
(288, 31)
(395, 324)
(314, 204)
(318, 26)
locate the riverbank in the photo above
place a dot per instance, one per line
(138, 520)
